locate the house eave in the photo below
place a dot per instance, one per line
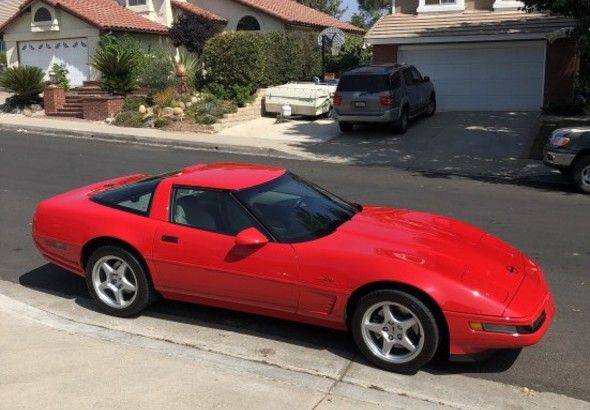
(455, 39)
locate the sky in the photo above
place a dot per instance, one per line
(352, 7)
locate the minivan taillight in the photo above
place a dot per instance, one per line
(386, 100)
(337, 100)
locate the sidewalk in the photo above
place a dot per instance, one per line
(43, 367)
(57, 349)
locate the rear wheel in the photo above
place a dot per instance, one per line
(431, 107)
(395, 330)
(581, 174)
(401, 125)
(345, 126)
(118, 282)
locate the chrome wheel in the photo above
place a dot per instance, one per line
(114, 282)
(392, 332)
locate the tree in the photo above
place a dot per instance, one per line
(579, 10)
(359, 19)
(192, 32)
(332, 7)
(372, 10)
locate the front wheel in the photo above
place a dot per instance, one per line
(431, 107)
(581, 174)
(118, 282)
(402, 124)
(395, 331)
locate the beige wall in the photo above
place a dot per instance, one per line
(233, 12)
(410, 6)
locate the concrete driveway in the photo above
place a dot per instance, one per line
(458, 143)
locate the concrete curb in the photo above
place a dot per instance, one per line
(347, 378)
(153, 141)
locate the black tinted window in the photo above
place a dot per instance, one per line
(209, 210)
(296, 211)
(396, 81)
(136, 197)
(366, 83)
(408, 78)
(416, 75)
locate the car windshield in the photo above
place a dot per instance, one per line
(366, 83)
(295, 210)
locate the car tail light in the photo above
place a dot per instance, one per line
(337, 100)
(386, 100)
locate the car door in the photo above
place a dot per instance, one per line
(412, 91)
(421, 86)
(195, 253)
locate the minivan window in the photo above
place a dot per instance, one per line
(366, 83)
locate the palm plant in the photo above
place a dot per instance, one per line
(119, 59)
(191, 64)
(26, 82)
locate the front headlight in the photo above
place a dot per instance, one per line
(488, 327)
(559, 139)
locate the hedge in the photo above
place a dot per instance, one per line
(250, 60)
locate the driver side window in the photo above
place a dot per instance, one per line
(209, 210)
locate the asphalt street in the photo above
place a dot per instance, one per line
(549, 223)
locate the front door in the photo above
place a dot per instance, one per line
(195, 253)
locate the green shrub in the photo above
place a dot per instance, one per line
(129, 119)
(3, 59)
(191, 63)
(241, 95)
(215, 90)
(206, 119)
(26, 82)
(157, 71)
(133, 102)
(235, 59)
(165, 98)
(161, 122)
(120, 60)
(351, 55)
(60, 73)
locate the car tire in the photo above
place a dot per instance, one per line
(410, 323)
(431, 108)
(118, 282)
(401, 125)
(581, 174)
(345, 126)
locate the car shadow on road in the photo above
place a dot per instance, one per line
(58, 282)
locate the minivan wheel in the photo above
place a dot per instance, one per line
(345, 126)
(402, 124)
(581, 174)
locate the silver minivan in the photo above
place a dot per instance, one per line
(383, 94)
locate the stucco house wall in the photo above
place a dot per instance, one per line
(69, 27)
(233, 12)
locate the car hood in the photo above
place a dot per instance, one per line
(480, 262)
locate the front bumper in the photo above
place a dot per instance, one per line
(530, 311)
(554, 158)
(388, 116)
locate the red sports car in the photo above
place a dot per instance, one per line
(262, 240)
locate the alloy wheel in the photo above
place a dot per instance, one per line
(114, 282)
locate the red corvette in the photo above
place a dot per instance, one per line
(262, 240)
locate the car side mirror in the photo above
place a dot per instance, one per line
(251, 237)
(426, 79)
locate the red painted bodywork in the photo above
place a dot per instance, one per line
(469, 274)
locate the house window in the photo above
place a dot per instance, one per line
(42, 15)
(438, 2)
(508, 4)
(137, 2)
(248, 23)
(430, 6)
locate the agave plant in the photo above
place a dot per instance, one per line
(191, 64)
(119, 59)
(26, 82)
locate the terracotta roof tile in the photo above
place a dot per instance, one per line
(8, 8)
(104, 14)
(399, 28)
(191, 8)
(296, 13)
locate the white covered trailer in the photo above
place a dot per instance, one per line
(307, 99)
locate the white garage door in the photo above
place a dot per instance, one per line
(502, 76)
(72, 52)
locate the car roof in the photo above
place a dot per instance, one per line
(375, 69)
(229, 176)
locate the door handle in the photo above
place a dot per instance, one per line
(169, 238)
